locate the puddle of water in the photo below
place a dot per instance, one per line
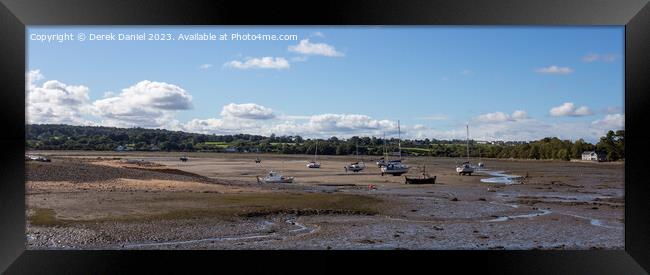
(594, 222)
(499, 177)
(531, 215)
(300, 226)
(504, 204)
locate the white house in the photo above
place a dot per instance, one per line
(593, 156)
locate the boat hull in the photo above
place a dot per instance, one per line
(464, 170)
(275, 180)
(420, 180)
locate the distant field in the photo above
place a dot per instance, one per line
(214, 144)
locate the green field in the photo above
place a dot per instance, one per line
(214, 144)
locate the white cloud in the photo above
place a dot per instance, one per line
(519, 114)
(569, 109)
(220, 126)
(555, 70)
(527, 130)
(256, 119)
(32, 77)
(308, 48)
(582, 111)
(610, 122)
(348, 122)
(55, 102)
(501, 117)
(466, 72)
(498, 126)
(493, 117)
(318, 34)
(145, 104)
(205, 66)
(266, 62)
(247, 111)
(593, 57)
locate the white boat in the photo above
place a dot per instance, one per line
(313, 163)
(465, 168)
(396, 167)
(355, 166)
(275, 177)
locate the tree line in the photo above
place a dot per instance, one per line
(67, 137)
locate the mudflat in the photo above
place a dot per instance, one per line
(152, 200)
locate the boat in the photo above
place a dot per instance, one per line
(37, 158)
(275, 177)
(396, 167)
(465, 168)
(425, 179)
(313, 163)
(258, 160)
(183, 158)
(355, 166)
(382, 161)
(481, 165)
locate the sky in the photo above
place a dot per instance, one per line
(506, 83)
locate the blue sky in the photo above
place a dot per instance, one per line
(508, 83)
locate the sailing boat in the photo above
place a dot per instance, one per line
(425, 179)
(382, 161)
(355, 166)
(480, 163)
(396, 167)
(313, 163)
(465, 168)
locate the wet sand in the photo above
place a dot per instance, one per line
(108, 200)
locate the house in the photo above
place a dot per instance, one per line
(593, 156)
(231, 150)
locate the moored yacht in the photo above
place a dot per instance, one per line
(465, 168)
(313, 163)
(396, 167)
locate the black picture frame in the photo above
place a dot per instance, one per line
(15, 15)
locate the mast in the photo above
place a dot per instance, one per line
(357, 150)
(467, 139)
(384, 146)
(316, 151)
(399, 141)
